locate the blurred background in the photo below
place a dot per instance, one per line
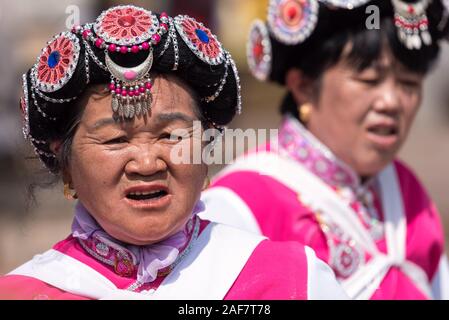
(25, 26)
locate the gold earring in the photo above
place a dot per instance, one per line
(206, 183)
(68, 194)
(304, 111)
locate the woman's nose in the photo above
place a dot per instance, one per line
(388, 100)
(146, 161)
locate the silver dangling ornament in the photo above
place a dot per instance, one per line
(412, 23)
(130, 87)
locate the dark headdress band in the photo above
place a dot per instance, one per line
(122, 30)
(291, 22)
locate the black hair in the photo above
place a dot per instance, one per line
(338, 27)
(50, 121)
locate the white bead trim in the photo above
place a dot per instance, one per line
(26, 120)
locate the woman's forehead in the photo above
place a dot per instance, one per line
(169, 96)
(385, 61)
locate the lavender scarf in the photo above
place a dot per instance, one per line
(150, 259)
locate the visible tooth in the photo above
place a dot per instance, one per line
(137, 193)
(152, 192)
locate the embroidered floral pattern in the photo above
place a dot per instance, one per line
(124, 25)
(317, 158)
(124, 262)
(345, 256)
(292, 21)
(200, 40)
(57, 62)
(259, 51)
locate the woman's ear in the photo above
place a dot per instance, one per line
(55, 147)
(300, 86)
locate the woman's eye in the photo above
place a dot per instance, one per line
(370, 81)
(172, 137)
(116, 140)
(409, 83)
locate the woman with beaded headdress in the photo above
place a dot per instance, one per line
(331, 181)
(104, 107)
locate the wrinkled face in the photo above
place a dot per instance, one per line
(123, 172)
(364, 117)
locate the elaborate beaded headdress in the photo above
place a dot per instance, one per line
(292, 22)
(119, 35)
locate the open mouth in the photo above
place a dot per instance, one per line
(384, 136)
(384, 130)
(143, 196)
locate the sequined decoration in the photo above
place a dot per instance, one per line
(345, 256)
(200, 40)
(258, 51)
(126, 25)
(361, 200)
(345, 259)
(345, 4)
(57, 63)
(121, 260)
(24, 106)
(123, 266)
(292, 21)
(102, 249)
(237, 82)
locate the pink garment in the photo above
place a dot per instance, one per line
(275, 270)
(14, 287)
(282, 217)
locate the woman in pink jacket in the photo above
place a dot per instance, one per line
(353, 71)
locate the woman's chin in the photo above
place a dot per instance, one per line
(143, 237)
(371, 167)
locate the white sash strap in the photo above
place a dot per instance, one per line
(365, 281)
(207, 272)
(312, 190)
(315, 193)
(225, 206)
(67, 274)
(395, 224)
(440, 281)
(396, 230)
